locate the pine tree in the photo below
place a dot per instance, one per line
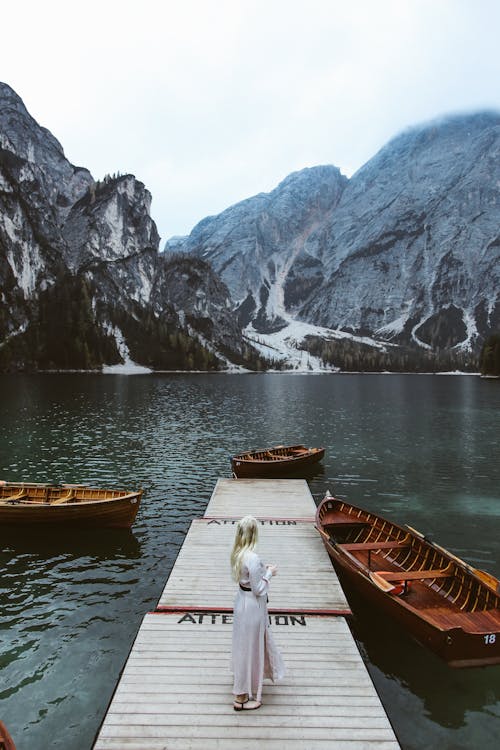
(489, 360)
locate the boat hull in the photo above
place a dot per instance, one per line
(456, 647)
(464, 634)
(6, 741)
(99, 512)
(243, 467)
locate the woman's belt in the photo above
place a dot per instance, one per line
(245, 588)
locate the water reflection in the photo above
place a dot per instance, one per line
(25, 544)
(417, 682)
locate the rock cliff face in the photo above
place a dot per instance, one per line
(412, 252)
(259, 245)
(109, 223)
(407, 251)
(82, 282)
(37, 185)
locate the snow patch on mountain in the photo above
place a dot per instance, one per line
(472, 332)
(285, 345)
(395, 326)
(417, 340)
(128, 367)
(11, 335)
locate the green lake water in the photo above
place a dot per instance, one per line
(422, 450)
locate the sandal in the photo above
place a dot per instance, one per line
(238, 705)
(251, 705)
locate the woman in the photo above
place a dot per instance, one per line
(254, 653)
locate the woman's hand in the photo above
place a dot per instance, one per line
(273, 569)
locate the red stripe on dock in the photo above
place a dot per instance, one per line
(172, 609)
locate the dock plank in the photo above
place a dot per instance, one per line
(308, 706)
(175, 690)
(130, 743)
(279, 498)
(305, 580)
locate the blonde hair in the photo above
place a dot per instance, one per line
(247, 535)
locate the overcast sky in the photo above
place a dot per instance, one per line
(211, 102)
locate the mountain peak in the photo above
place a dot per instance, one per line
(457, 123)
(9, 98)
(311, 175)
(450, 134)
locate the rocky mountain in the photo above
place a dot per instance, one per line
(258, 245)
(402, 260)
(412, 252)
(396, 268)
(82, 283)
(34, 198)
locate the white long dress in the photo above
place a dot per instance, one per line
(254, 652)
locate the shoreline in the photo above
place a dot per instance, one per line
(146, 372)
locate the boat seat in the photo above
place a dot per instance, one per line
(64, 499)
(376, 546)
(416, 575)
(331, 528)
(362, 546)
(14, 498)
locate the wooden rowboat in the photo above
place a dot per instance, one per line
(78, 506)
(6, 741)
(446, 604)
(276, 461)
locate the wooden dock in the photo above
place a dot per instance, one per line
(175, 689)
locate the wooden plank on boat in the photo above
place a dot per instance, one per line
(280, 498)
(202, 576)
(175, 690)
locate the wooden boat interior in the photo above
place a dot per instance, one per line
(31, 494)
(278, 453)
(435, 582)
